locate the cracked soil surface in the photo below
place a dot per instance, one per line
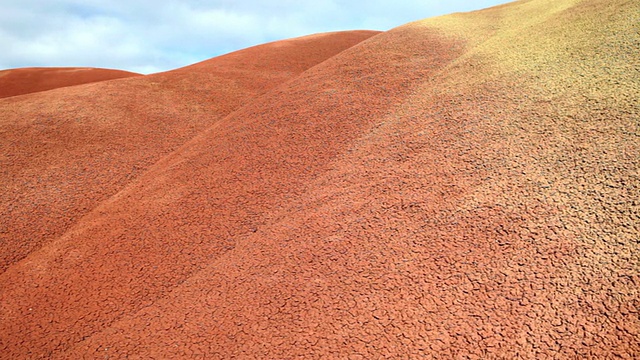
(459, 187)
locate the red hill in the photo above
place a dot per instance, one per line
(28, 80)
(459, 187)
(65, 151)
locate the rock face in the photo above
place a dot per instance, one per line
(459, 187)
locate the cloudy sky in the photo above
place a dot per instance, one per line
(148, 36)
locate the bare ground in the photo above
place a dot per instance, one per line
(459, 187)
(22, 81)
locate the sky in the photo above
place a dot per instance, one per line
(148, 36)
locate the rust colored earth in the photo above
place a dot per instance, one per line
(459, 187)
(29, 80)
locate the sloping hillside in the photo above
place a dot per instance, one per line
(28, 80)
(64, 151)
(459, 187)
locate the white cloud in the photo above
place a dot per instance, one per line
(148, 36)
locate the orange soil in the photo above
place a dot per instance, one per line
(65, 151)
(29, 80)
(452, 188)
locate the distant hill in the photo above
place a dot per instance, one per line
(463, 186)
(28, 80)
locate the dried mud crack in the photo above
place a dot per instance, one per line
(459, 187)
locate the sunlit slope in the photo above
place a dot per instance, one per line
(64, 151)
(490, 213)
(28, 80)
(209, 197)
(459, 187)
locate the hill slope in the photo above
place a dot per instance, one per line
(64, 151)
(463, 186)
(28, 80)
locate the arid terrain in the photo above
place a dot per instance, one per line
(460, 187)
(29, 80)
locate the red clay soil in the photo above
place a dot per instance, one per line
(453, 188)
(65, 151)
(29, 80)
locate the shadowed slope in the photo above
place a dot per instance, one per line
(29, 80)
(459, 187)
(64, 151)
